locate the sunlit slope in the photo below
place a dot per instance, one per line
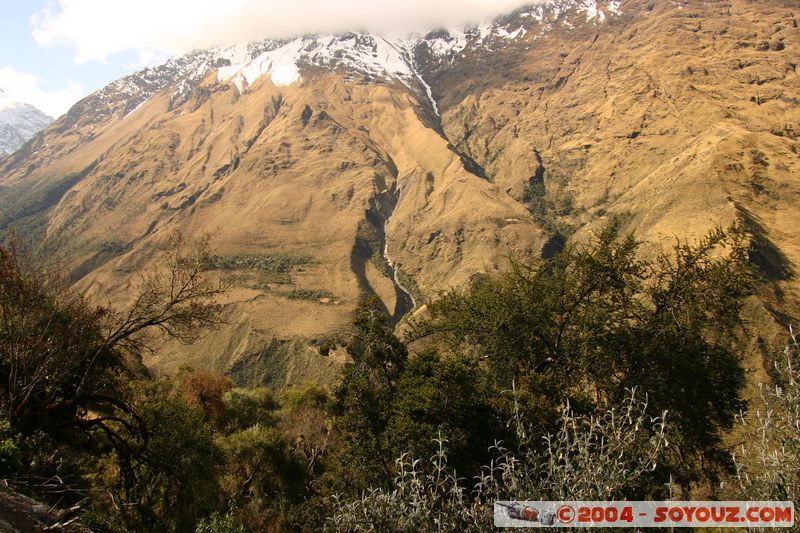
(677, 115)
(346, 181)
(303, 187)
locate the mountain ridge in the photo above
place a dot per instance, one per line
(190, 68)
(503, 139)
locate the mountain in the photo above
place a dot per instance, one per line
(18, 123)
(334, 167)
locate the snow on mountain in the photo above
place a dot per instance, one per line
(593, 10)
(18, 123)
(364, 54)
(280, 62)
(392, 57)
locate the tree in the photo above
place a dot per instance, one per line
(261, 473)
(174, 478)
(305, 419)
(597, 320)
(206, 390)
(65, 363)
(389, 403)
(363, 399)
(450, 398)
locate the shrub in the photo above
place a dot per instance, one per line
(768, 465)
(595, 320)
(590, 457)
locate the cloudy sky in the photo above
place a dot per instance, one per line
(53, 52)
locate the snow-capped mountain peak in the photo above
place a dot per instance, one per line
(365, 54)
(18, 123)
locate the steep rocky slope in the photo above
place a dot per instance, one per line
(330, 168)
(678, 116)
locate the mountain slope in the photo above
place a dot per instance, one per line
(680, 117)
(331, 168)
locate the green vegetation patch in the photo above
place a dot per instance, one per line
(379, 262)
(273, 268)
(411, 286)
(313, 295)
(26, 207)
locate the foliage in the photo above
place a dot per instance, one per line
(579, 338)
(364, 397)
(547, 206)
(70, 370)
(422, 498)
(205, 390)
(245, 408)
(9, 448)
(275, 268)
(768, 465)
(216, 458)
(220, 523)
(389, 403)
(175, 478)
(598, 320)
(590, 458)
(26, 205)
(176, 299)
(305, 421)
(56, 363)
(259, 469)
(313, 295)
(447, 397)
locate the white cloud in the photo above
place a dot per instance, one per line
(147, 58)
(98, 29)
(24, 87)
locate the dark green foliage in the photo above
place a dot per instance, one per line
(175, 479)
(10, 453)
(305, 116)
(379, 262)
(362, 401)
(245, 408)
(448, 397)
(69, 374)
(269, 263)
(57, 363)
(221, 523)
(313, 295)
(594, 321)
(411, 286)
(388, 404)
(547, 205)
(275, 268)
(260, 469)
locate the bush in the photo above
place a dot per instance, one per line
(220, 523)
(596, 320)
(768, 465)
(590, 458)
